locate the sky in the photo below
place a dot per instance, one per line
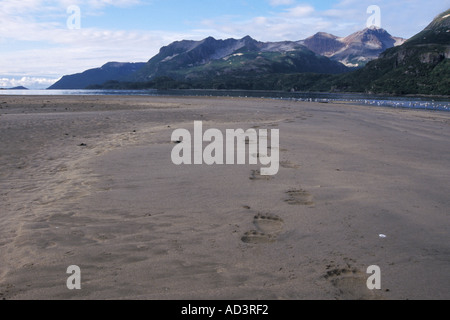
(42, 40)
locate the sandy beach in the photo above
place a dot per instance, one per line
(89, 181)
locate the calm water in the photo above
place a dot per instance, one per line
(370, 100)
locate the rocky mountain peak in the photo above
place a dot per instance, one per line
(354, 50)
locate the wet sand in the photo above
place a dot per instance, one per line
(89, 181)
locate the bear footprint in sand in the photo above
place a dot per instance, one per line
(299, 197)
(257, 237)
(289, 165)
(268, 223)
(269, 226)
(350, 284)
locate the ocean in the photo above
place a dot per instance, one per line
(409, 102)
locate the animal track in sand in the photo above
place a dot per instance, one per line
(256, 175)
(256, 237)
(351, 284)
(268, 225)
(289, 165)
(299, 197)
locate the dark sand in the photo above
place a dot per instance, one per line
(89, 181)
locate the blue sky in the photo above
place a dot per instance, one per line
(37, 47)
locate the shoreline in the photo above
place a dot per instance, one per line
(314, 96)
(140, 227)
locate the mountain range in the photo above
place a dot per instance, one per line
(189, 60)
(323, 62)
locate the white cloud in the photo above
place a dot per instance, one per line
(36, 46)
(294, 23)
(402, 18)
(23, 6)
(76, 50)
(116, 3)
(97, 4)
(27, 82)
(276, 3)
(299, 11)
